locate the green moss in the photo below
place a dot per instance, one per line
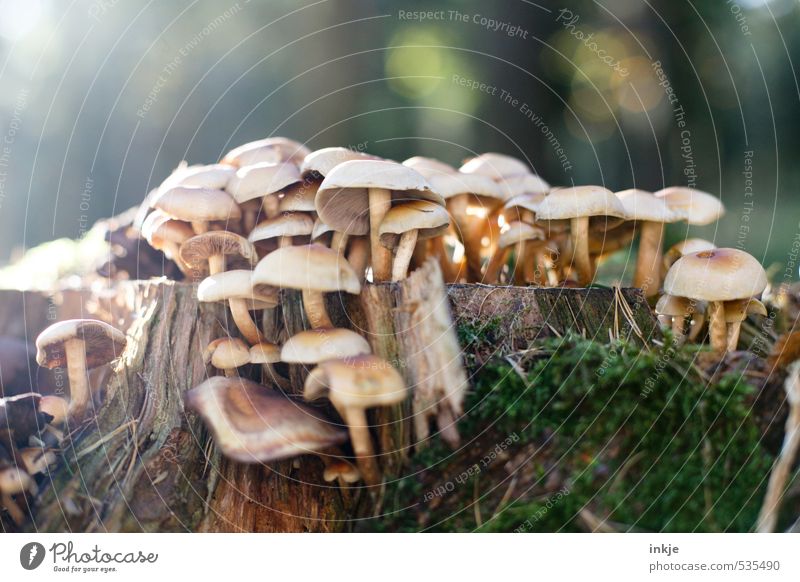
(636, 436)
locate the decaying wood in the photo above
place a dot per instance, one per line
(144, 464)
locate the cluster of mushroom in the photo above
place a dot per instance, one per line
(32, 426)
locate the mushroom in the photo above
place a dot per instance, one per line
(78, 344)
(319, 163)
(14, 481)
(251, 423)
(268, 150)
(265, 182)
(206, 253)
(579, 204)
(694, 206)
(406, 223)
(167, 235)
(650, 214)
(267, 354)
(312, 269)
(356, 195)
(283, 227)
(685, 247)
(215, 176)
(316, 345)
(236, 288)
(227, 354)
(677, 310)
(517, 235)
(198, 206)
(498, 167)
(736, 312)
(716, 276)
(37, 460)
(353, 385)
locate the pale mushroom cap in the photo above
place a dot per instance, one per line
(104, 343)
(197, 204)
(363, 381)
(529, 202)
(252, 423)
(37, 460)
(641, 205)
(341, 469)
(739, 309)
(316, 345)
(159, 229)
(321, 162)
(265, 353)
(673, 305)
(56, 407)
(522, 184)
(293, 224)
(235, 284)
(518, 232)
(343, 199)
(453, 184)
(14, 481)
(215, 176)
(427, 218)
(299, 197)
(196, 251)
(270, 150)
(429, 167)
(716, 275)
(227, 353)
(311, 267)
(692, 245)
(496, 166)
(580, 201)
(261, 180)
(693, 206)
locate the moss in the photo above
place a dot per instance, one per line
(636, 437)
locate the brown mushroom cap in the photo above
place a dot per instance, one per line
(343, 197)
(261, 180)
(693, 206)
(716, 275)
(293, 224)
(196, 251)
(580, 201)
(739, 309)
(235, 284)
(227, 353)
(268, 150)
(299, 197)
(252, 423)
(362, 382)
(321, 162)
(316, 345)
(496, 166)
(427, 218)
(197, 204)
(103, 342)
(265, 353)
(311, 267)
(673, 305)
(641, 205)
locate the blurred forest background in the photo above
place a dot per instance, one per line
(100, 99)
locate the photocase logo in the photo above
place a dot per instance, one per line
(31, 555)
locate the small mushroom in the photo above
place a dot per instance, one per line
(694, 206)
(268, 150)
(207, 252)
(496, 166)
(353, 385)
(37, 460)
(685, 247)
(215, 176)
(319, 163)
(251, 423)
(316, 345)
(236, 288)
(716, 276)
(167, 235)
(199, 206)
(356, 195)
(678, 310)
(516, 236)
(407, 223)
(312, 269)
(650, 214)
(578, 205)
(79, 344)
(265, 182)
(282, 228)
(736, 312)
(227, 354)
(267, 354)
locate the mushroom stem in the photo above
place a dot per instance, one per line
(358, 256)
(495, 265)
(361, 440)
(403, 254)
(698, 321)
(734, 329)
(199, 226)
(80, 395)
(449, 270)
(519, 264)
(284, 241)
(216, 264)
(678, 324)
(339, 242)
(579, 234)
(380, 201)
(271, 204)
(717, 328)
(316, 312)
(648, 260)
(471, 231)
(244, 321)
(231, 372)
